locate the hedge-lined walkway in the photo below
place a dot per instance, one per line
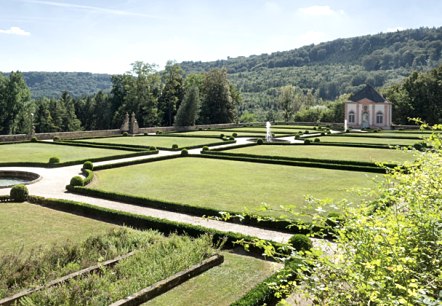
(53, 182)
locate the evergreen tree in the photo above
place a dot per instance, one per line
(172, 93)
(70, 121)
(187, 113)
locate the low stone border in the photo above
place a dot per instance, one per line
(165, 285)
(109, 263)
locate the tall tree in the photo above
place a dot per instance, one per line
(172, 93)
(289, 101)
(42, 117)
(14, 95)
(217, 103)
(70, 121)
(187, 113)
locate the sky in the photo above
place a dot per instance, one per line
(106, 36)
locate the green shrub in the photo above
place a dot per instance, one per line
(231, 138)
(158, 132)
(315, 128)
(145, 134)
(307, 141)
(184, 152)
(297, 137)
(175, 146)
(300, 242)
(328, 132)
(88, 165)
(334, 219)
(347, 131)
(125, 134)
(205, 148)
(317, 140)
(56, 138)
(235, 134)
(152, 148)
(260, 141)
(19, 193)
(77, 181)
(34, 139)
(322, 134)
(54, 160)
(221, 136)
(306, 132)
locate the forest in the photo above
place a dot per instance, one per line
(310, 83)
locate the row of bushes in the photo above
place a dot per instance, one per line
(146, 222)
(185, 209)
(288, 162)
(264, 292)
(175, 147)
(101, 145)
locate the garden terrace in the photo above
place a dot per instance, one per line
(39, 153)
(163, 142)
(226, 133)
(223, 185)
(327, 153)
(277, 131)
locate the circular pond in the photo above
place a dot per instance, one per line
(11, 178)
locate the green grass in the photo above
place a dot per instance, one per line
(329, 152)
(29, 226)
(229, 185)
(156, 141)
(284, 131)
(227, 133)
(41, 152)
(221, 285)
(369, 140)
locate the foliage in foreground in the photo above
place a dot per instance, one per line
(388, 251)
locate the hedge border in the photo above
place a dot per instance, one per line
(262, 294)
(136, 221)
(109, 145)
(135, 162)
(379, 135)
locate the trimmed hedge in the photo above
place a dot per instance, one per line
(54, 160)
(88, 165)
(76, 181)
(135, 162)
(19, 193)
(145, 222)
(377, 136)
(262, 294)
(89, 176)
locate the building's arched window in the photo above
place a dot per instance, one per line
(351, 117)
(379, 118)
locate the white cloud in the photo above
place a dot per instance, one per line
(319, 10)
(15, 31)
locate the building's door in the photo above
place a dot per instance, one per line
(365, 121)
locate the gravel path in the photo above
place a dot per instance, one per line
(53, 182)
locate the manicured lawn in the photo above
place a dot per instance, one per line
(390, 134)
(370, 140)
(263, 129)
(156, 141)
(41, 152)
(226, 133)
(28, 226)
(229, 185)
(221, 285)
(329, 152)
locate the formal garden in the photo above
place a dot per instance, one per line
(268, 185)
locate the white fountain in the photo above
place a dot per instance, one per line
(268, 132)
(345, 125)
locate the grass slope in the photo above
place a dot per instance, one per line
(28, 226)
(221, 285)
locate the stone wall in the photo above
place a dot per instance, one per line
(105, 133)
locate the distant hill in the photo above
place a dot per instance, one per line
(331, 68)
(52, 84)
